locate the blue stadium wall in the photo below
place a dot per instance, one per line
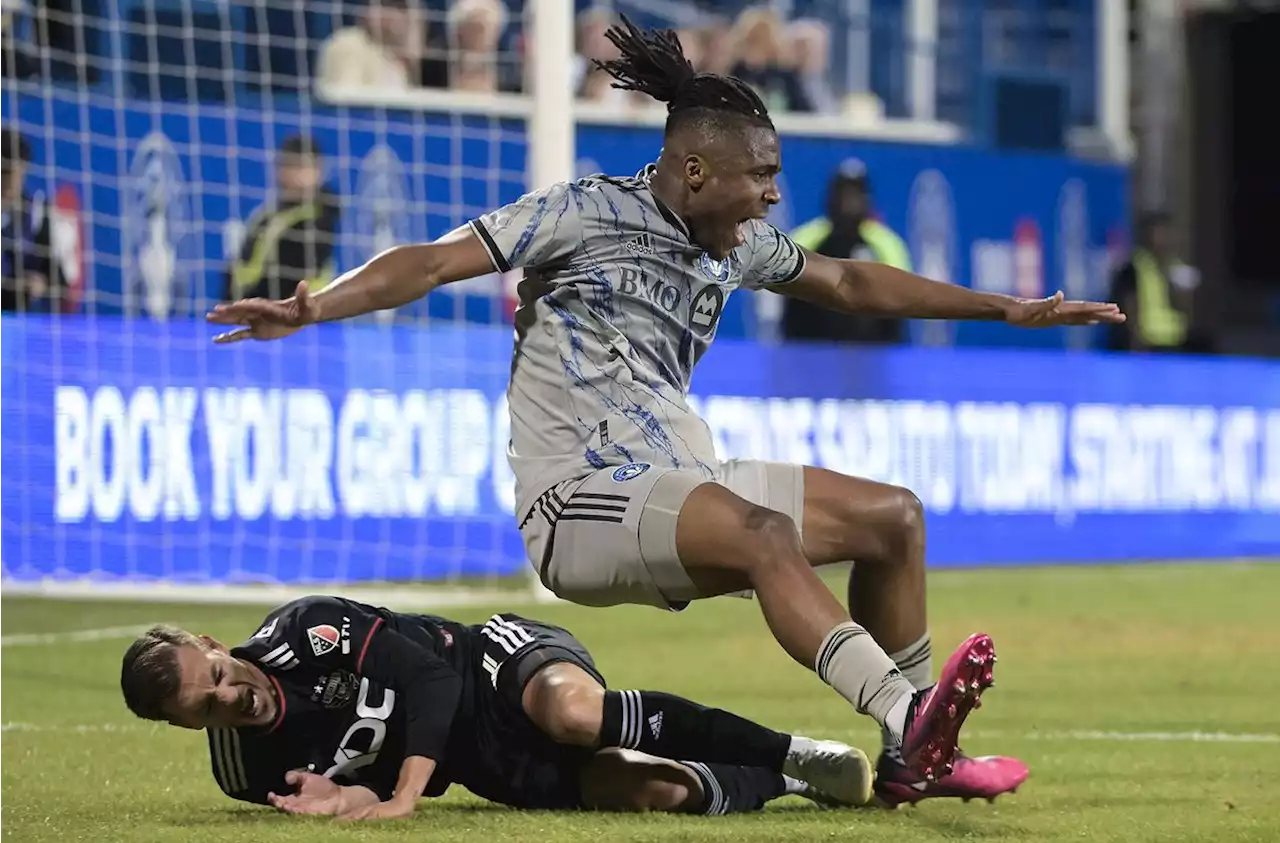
(134, 449)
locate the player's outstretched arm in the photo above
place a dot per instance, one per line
(394, 278)
(864, 287)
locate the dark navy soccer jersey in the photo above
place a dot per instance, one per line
(359, 688)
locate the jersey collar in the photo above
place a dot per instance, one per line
(667, 214)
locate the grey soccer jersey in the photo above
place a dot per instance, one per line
(616, 307)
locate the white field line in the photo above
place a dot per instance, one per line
(80, 728)
(74, 636)
(1148, 737)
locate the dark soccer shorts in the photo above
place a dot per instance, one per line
(515, 762)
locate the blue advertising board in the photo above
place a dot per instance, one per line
(166, 189)
(137, 449)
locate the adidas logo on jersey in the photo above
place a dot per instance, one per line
(642, 245)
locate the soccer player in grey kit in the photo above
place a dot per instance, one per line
(620, 496)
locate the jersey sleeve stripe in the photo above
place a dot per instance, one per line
(495, 254)
(238, 758)
(801, 260)
(219, 762)
(365, 647)
(229, 765)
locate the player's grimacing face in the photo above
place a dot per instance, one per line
(217, 690)
(741, 185)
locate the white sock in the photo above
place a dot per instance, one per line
(794, 787)
(850, 661)
(916, 663)
(895, 723)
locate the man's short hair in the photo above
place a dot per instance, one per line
(14, 147)
(300, 145)
(149, 676)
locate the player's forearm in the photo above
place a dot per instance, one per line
(428, 685)
(884, 290)
(394, 278)
(415, 772)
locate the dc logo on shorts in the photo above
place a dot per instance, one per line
(630, 471)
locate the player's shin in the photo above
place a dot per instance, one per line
(850, 661)
(729, 789)
(668, 726)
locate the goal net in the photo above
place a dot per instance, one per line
(181, 153)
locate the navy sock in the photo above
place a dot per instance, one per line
(727, 789)
(672, 727)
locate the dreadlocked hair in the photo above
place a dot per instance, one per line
(653, 63)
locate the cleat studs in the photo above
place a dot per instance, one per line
(952, 711)
(977, 702)
(975, 659)
(959, 686)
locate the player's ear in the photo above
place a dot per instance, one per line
(695, 171)
(213, 643)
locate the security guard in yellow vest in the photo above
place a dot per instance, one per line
(847, 231)
(291, 237)
(1155, 289)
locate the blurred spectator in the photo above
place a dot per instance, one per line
(473, 29)
(809, 42)
(849, 230)
(1157, 291)
(691, 42)
(19, 61)
(29, 283)
(589, 82)
(382, 51)
(762, 60)
(719, 52)
(291, 237)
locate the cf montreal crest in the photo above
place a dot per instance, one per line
(630, 471)
(382, 216)
(157, 219)
(717, 271)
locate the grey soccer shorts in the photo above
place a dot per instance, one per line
(610, 538)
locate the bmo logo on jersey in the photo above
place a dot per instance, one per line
(360, 745)
(635, 283)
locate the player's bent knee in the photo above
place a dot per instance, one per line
(566, 703)
(908, 514)
(771, 540)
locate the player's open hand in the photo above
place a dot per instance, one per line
(265, 319)
(1054, 311)
(393, 809)
(312, 794)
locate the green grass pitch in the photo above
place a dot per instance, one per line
(1107, 676)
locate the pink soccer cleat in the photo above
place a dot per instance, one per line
(984, 777)
(929, 741)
